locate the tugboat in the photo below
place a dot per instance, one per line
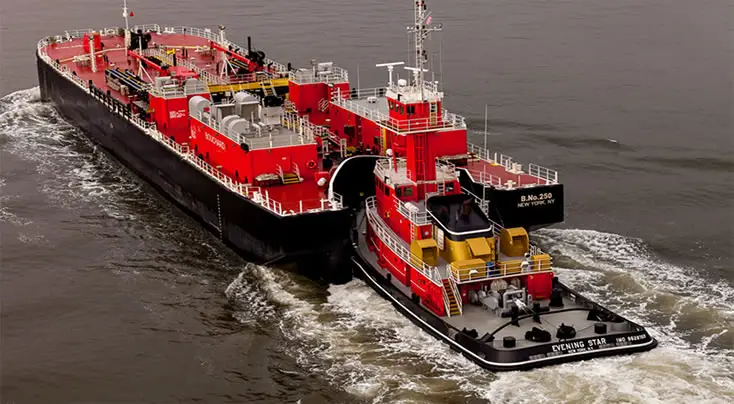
(206, 122)
(443, 233)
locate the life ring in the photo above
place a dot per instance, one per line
(311, 164)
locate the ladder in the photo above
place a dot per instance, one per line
(454, 307)
(433, 114)
(420, 140)
(343, 147)
(323, 105)
(267, 87)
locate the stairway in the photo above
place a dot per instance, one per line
(454, 309)
(290, 178)
(267, 87)
(323, 105)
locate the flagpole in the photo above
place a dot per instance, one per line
(124, 13)
(127, 25)
(485, 126)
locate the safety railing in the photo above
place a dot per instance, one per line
(412, 212)
(309, 76)
(289, 106)
(446, 167)
(447, 120)
(296, 170)
(457, 296)
(482, 153)
(397, 246)
(544, 174)
(430, 89)
(365, 93)
(206, 34)
(336, 200)
(486, 178)
(253, 193)
(446, 302)
(498, 270)
(396, 171)
(203, 74)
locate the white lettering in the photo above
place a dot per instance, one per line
(177, 114)
(568, 346)
(216, 141)
(531, 202)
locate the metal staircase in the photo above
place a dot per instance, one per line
(291, 177)
(267, 87)
(323, 105)
(452, 297)
(420, 167)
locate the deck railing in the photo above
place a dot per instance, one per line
(543, 175)
(203, 74)
(457, 296)
(180, 30)
(415, 216)
(307, 76)
(447, 120)
(396, 171)
(397, 246)
(446, 302)
(500, 270)
(253, 193)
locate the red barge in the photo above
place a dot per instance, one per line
(203, 120)
(443, 231)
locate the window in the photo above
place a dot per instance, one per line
(398, 192)
(411, 109)
(387, 191)
(408, 191)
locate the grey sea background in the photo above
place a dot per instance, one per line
(110, 294)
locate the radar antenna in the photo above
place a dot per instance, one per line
(421, 30)
(390, 68)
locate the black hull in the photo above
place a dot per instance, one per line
(480, 353)
(531, 208)
(318, 242)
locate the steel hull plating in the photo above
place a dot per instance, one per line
(316, 241)
(483, 354)
(532, 208)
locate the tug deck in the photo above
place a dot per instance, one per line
(486, 322)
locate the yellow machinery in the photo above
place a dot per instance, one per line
(425, 250)
(514, 242)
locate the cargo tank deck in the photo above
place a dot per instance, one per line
(200, 58)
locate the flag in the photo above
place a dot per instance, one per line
(170, 51)
(132, 14)
(428, 20)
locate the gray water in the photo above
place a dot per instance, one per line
(110, 294)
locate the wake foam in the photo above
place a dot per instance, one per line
(359, 342)
(72, 171)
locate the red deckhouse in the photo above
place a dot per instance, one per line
(412, 233)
